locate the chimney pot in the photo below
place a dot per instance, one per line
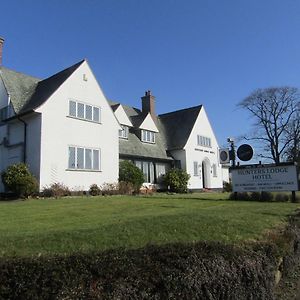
(1, 47)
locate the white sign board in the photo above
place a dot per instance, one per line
(256, 178)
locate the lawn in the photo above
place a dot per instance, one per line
(68, 225)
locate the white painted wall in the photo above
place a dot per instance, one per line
(180, 155)
(207, 154)
(122, 117)
(60, 131)
(148, 124)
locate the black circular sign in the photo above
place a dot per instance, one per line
(245, 152)
(224, 155)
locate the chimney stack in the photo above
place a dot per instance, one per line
(148, 104)
(1, 47)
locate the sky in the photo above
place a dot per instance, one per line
(187, 52)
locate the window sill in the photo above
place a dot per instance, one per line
(123, 138)
(151, 143)
(84, 170)
(86, 120)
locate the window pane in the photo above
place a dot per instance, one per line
(195, 168)
(138, 164)
(96, 115)
(88, 112)
(153, 137)
(151, 168)
(145, 171)
(96, 159)
(71, 164)
(88, 159)
(80, 110)
(80, 158)
(72, 108)
(125, 131)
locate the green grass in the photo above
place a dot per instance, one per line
(49, 226)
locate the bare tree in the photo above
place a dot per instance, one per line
(273, 110)
(293, 134)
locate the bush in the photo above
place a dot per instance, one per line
(227, 186)
(128, 172)
(180, 271)
(176, 180)
(243, 196)
(94, 190)
(282, 197)
(266, 196)
(18, 179)
(125, 188)
(255, 196)
(109, 189)
(56, 190)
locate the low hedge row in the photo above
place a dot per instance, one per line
(195, 271)
(199, 271)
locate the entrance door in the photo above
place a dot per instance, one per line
(205, 174)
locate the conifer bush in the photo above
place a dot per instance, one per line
(18, 179)
(128, 172)
(177, 180)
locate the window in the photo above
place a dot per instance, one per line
(84, 111)
(147, 169)
(196, 168)
(160, 171)
(84, 158)
(214, 170)
(123, 133)
(148, 136)
(203, 141)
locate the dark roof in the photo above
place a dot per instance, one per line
(27, 93)
(174, 131)
(176, 126)
(19, 86)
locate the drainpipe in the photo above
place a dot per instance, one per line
(25, 139)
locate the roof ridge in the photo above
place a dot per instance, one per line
(181, 110)
(76, 65)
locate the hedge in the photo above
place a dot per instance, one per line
(203, 270)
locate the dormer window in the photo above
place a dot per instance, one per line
(148, 136)
(123, 133)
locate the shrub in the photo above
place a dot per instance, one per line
(18, 179)
(109, 189)
(243, 196)
(227, 186)
(255, 196)
(128, 172)
(126, 188)
(266, 196)
(177, 180)
(282, 197)
(56, 190)
(94, 190)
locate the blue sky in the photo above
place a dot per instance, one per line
(186, 52)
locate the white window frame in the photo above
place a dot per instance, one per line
(85, 106)
(214, 170)
(148, 136)
(92, 167)
(196, 168)
(123, 133)
(203, 141)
